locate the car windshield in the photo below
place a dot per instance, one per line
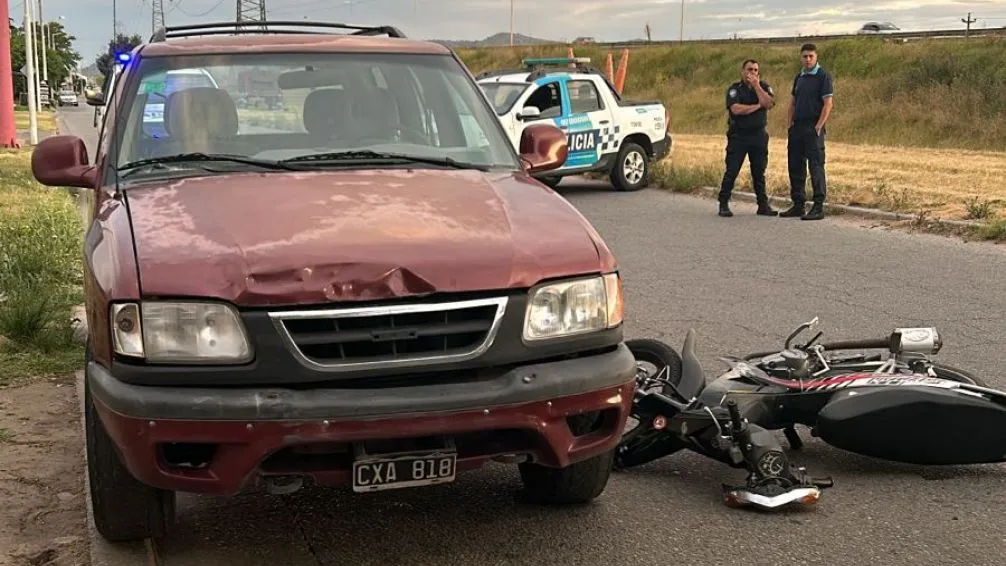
(503, 95)
(276, 107)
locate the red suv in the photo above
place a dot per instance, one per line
(339, 272)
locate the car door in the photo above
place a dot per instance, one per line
(547, 97)
(587, 123)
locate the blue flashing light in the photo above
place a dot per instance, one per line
(124, 57)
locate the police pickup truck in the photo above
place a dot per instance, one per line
(606, 133)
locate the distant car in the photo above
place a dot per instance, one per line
(873, 28)
(68, 97)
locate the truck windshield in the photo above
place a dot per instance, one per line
(283, 106)
(503, 95)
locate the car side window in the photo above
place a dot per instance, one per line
(583, 97)
(548, 99)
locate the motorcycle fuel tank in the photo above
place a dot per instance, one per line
(930, 425)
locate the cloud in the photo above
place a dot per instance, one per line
(91, 20)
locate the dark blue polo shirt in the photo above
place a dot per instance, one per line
(810, 88)
(741, 93)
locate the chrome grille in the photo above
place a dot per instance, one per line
(391, 335)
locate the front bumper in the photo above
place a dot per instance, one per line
(219, 440)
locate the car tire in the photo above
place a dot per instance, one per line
(632, 168)
(575, 484)
(124, 508)
(551, 182)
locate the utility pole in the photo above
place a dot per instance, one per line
(45, 46)
(30, 74)
(8, 132)
(34, 56)
(511, 21)
(157, 17)
(681, 24)
(968, 22)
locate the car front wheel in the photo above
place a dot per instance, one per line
(574, 484)
(124, 508)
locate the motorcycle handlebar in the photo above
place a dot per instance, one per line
(859, 344)
(867, 344)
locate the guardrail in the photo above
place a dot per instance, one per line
(904, 36)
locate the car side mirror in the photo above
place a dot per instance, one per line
(61, 161)
(96, 99)
(529, 113)
(543, 147)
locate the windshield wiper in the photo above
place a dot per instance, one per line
(368, 155)
(204, 157)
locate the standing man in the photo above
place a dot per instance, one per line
(809, 110)
(748, 103)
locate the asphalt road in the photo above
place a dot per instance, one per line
(743, 284)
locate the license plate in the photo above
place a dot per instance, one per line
(398, 472)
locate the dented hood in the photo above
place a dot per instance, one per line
(295, 238)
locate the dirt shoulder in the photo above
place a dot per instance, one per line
(43, 518)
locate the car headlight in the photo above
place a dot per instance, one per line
(578, 306)
(180, 333)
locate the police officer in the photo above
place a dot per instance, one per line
(748, 103)
(808, 113)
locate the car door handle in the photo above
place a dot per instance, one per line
(603, 122)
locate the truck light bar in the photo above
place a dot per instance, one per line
(540, 61)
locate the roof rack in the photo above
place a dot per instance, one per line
(498, 73)
(544, 66)
(268, 27)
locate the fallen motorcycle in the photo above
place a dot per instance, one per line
(896, 405)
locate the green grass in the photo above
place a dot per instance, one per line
(40, 273)
(937, 93)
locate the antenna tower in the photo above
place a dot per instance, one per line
(157, 21)
(251, 11)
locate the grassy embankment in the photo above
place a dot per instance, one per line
(917, 127)
(40, 273)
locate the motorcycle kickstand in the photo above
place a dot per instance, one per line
(795, 442)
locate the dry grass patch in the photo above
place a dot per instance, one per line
(46, 121)
(947, 184)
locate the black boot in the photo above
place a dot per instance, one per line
(765, 209)
(725, 210)
(795, 211)
(816, 212)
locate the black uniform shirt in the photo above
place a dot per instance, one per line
(741, 93)
(810, 88)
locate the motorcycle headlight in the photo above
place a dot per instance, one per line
(180, 333)
(578, 306)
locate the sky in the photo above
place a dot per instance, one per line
(91, 20)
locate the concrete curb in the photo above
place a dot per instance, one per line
(860, 211)
(104, 553)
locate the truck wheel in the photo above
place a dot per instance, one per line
(124, 508)
(552, 182)
(632, 168)
(577, 483)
